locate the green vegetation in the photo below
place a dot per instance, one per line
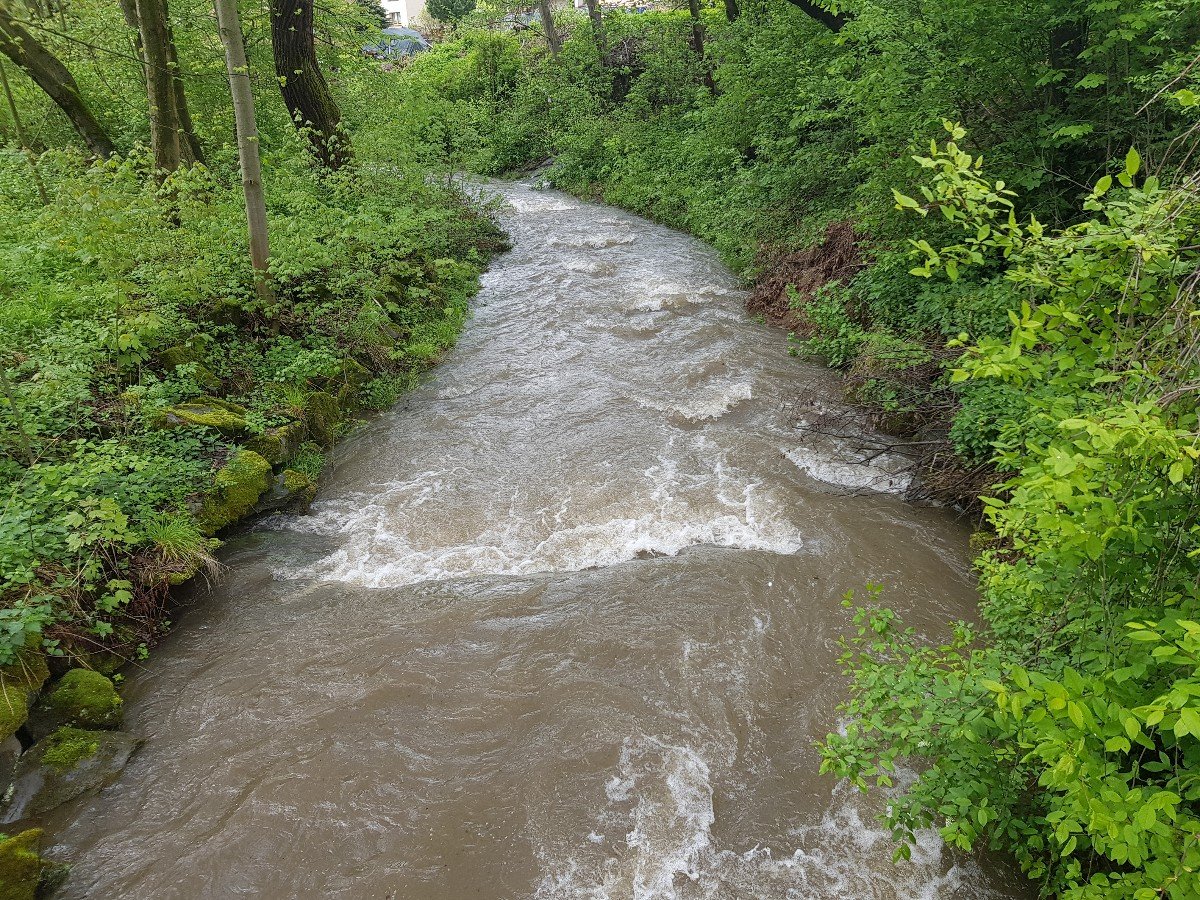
(1032, 316)
(187, 326)
(159, 363)
(85, 698)
(22, 869)
(67, 747)
(19, 682)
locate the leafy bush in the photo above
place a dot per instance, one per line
(1088, 689)
(123, 300)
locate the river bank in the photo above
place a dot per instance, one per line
(146, 435)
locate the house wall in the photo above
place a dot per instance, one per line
(404, 12)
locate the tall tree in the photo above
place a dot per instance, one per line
(32, 57)
(305, 91)
(698, 41)
(552, 39)
(172, 137)
(187, 130)
(731, 10)
(230, 28)
(450, 11)
(597, 19)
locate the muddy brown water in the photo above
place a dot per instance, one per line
(562, 625)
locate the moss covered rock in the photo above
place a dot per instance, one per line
(291, 490)
(322, 416)
(189, 355)
(19, 684)
(299, 485)
(81, 697)
(351, 372)
(21, 865)
(236, 490)
(204, 412)
(278, 445)
(65, 765)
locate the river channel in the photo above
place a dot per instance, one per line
(561, 625)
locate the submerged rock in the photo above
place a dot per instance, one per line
(236, 490)
(83, 698)
(24, 874)
(204, 412)
(278, 445)
(19, 684)
(67, 764)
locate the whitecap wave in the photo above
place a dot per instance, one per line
(389, 539)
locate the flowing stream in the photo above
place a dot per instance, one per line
(561, 625)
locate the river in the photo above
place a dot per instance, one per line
(561, 625)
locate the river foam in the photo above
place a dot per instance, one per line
(386, 540)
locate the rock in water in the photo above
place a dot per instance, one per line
(82, 698)
(236, 488)
(67, 764)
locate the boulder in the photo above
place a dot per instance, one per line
(82, 698)
(19, 685)
(353, 373)
(204, 412)
(235, 491)
(227, 311)
(322, 416)
(291, 490)
(21, 865)
(278, 445)
(189, 354)
(67, 764)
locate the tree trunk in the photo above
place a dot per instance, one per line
(833, 21)
(193, 147)
(1068, 39)
(731, 10)
(552, 40)
(597, 19)
(698, 42)
(305, 91)
(193, 151)
(51, 76)
(238, 70)
(167, 138)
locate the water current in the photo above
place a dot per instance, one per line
(561, 625)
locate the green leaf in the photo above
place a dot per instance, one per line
(1133, 161)
(1189, 719)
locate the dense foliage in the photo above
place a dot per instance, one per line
(1032, 314)
(137, 358)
